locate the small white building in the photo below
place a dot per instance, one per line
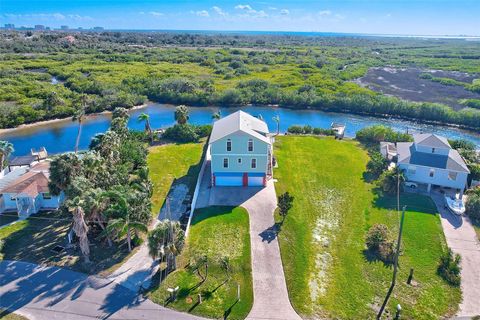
(25, 191)
(430, 160)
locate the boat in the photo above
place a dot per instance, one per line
(455, 205)
(339, 129)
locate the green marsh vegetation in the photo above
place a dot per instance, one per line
(126, 69)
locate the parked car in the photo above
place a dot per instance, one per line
(411, 185)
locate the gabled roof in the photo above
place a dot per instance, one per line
(31, 183)
(240, 122)
(407, 154)
(431, 140)
(23, 160)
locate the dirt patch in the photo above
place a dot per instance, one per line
(405, 83)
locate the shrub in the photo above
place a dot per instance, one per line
(285, 203)
(378, 242)
(295, 130)
(181, 133)
(472, 207)
(377, 164)
(389, 181)
(324, 132)
(307, 129)
(376, 235)
(377, 133)
(449, 268)
(203, 131)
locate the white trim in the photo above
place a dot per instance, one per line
(419, 165)
(241, 154)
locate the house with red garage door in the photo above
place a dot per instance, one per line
(241, 151)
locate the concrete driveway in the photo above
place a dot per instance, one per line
(461, 238)
(50, 293)
(269, 288)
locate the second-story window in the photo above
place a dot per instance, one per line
(254, 163)
(225, 162)
(433, 150)
(229, 145)
(250, 145)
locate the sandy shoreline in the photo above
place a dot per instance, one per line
(46, 122)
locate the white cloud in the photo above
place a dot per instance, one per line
(219, 11)
(272, 8)
(78, 17)
(201, 13)
(155, 13)
(243, 7)
(388, 15)
(249, 12)
(324, 13)
(284, 12)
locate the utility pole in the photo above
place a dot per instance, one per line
(395, 266)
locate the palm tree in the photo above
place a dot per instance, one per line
(122, 226)
(95, 204)
(392, 180)
(217, 115)
(148, 129)
(6, 148)
(78, 116)
(181, 114)
(166, 241)
(277, 121)
(79, 226)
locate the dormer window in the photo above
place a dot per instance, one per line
(250, 145)
(229, 145)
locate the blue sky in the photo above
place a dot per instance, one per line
(419, 17)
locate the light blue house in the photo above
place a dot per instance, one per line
(25, 191)
(241, 151)
(430, 160)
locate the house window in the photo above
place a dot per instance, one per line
(239, 160)
(47, 195)
(229, 145)
(254, 163)
(452, 176)
(433, 150)
(225, 162)
(412, 170)
(432, 173)
(250, 145)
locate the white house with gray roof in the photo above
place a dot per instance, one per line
(241, 151)
(430, 160)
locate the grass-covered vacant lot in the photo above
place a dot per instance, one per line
(217, 233)
(323, 238)
(169, 163)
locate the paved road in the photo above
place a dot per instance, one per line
(50, 293)
(269, 288)
(461, 238)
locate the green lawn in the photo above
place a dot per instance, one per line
(216, 232)
(32, 240)
(169, 163)
(322, 240)
(6, 315)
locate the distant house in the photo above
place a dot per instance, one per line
(430, 160)
(241, 151)
(25, 191)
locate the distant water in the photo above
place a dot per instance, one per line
(60, 136)
(299, 33)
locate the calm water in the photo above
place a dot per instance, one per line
(60, 136)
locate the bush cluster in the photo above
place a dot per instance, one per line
(185, 133)
(310, 130)
(377, 133)
(449, 268)
(378, 242)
